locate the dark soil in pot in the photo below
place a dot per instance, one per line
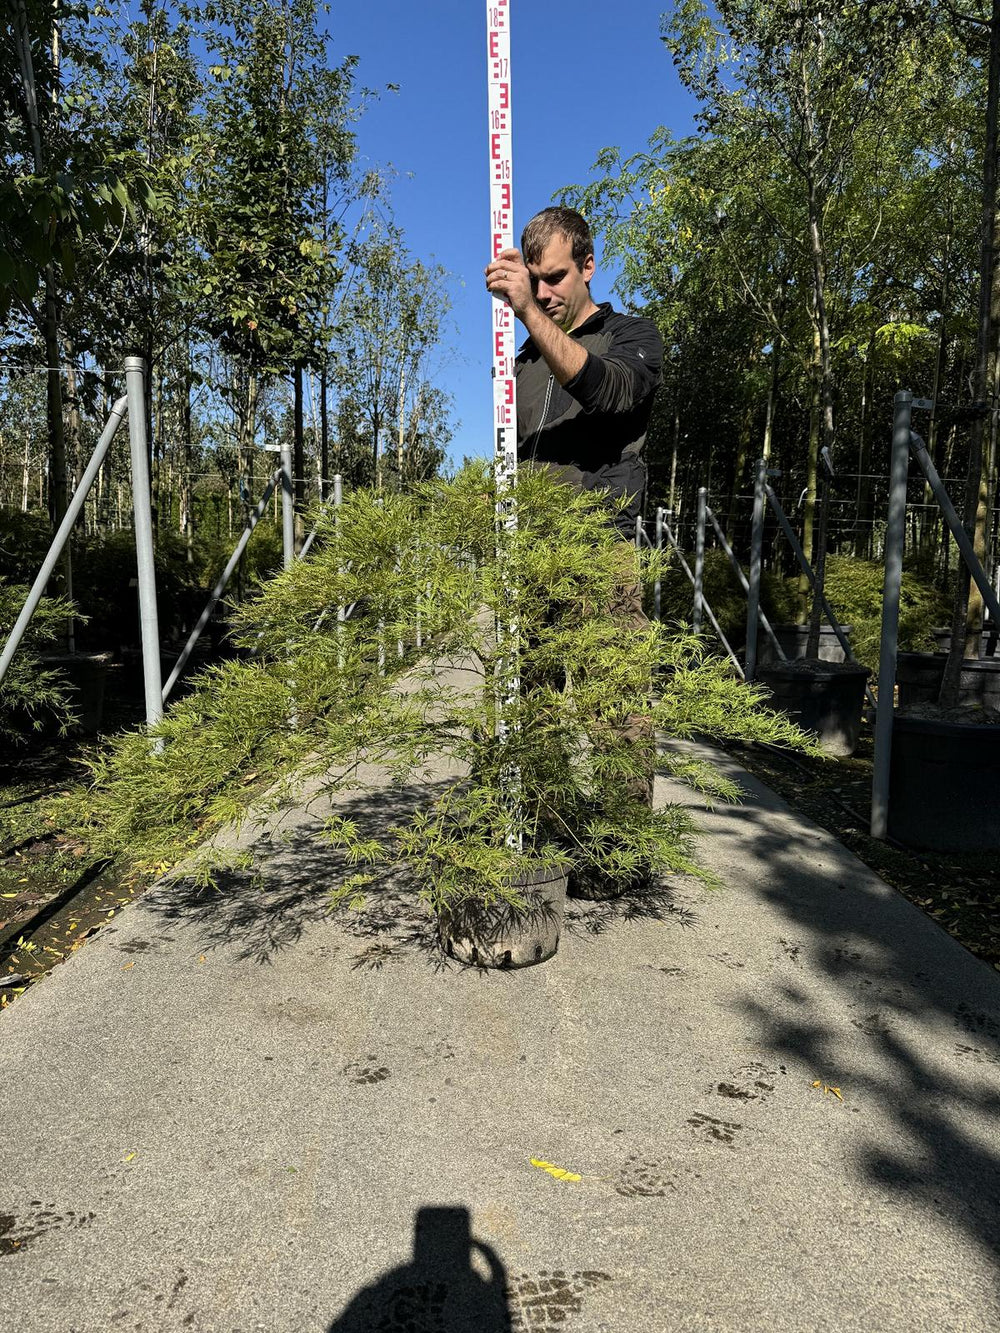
(499, 935)
(826, 698)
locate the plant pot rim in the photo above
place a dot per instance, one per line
(932, 726)
(101, 659)
(981, 664)
(813, 668)
(825, 628)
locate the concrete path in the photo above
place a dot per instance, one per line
(230, 1112)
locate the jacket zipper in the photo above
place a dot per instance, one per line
(545, 412)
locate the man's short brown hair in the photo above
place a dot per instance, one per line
(546, 224)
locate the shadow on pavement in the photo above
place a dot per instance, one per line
(258, 912)
(886, 967)
(441, 1290)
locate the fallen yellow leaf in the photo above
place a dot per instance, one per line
(129, 1156)
(201, 958)
(559, 1172)
(127, 966)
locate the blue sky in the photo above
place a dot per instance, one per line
(585, 74)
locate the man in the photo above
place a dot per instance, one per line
(586, 378)
(587, 374)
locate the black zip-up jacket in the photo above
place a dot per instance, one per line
(593, 428)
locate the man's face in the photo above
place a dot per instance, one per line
(560, 288)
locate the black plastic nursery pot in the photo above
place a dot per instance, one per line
(944, 785)
(597, 886)
(826, 698)
(86, 674)
(989, 640)
(918, 680)
(793, 640)
(498, 935)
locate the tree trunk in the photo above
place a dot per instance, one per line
(967, 615)
(324, 433)
(863, 507)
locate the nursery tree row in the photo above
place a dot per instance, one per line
(824, 237)
(182, 184)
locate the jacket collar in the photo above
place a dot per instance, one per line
(589, 325)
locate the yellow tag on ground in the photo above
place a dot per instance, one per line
(559, 1172)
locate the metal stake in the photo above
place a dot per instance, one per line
(220, 586)
(135, 387)
(919, 450)
(738, 569)
(658, 585)
(699, 559)
(895, 537)
(756, 552)
(287, 509)
(708, 610)
(807, 569)
(59, 540)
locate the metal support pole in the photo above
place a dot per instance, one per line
(62, 536)
(708, 610)
(738, 570)
(807, 569)
(640, 532)
(756, 553)
(895, 538)
(658, 584)
(287, 508)
(699, 559)
(919, 450)
(221, 585)
(135, 388)
(338, 499)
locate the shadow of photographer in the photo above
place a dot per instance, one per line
(443, 1289)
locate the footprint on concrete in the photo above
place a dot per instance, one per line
(976, 1022)
(18, 1233)
(370, 1072)
(727, 960)
(873, 1025)
(724, 1131)
(543, 1302)
(645, 1179)
(752, 1082)
(975, 1054)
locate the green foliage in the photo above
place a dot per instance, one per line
(584, 670)
(32, 695)
(722, 591)
(854, 588)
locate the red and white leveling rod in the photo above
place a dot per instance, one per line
(504, 389)
(502, 232)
